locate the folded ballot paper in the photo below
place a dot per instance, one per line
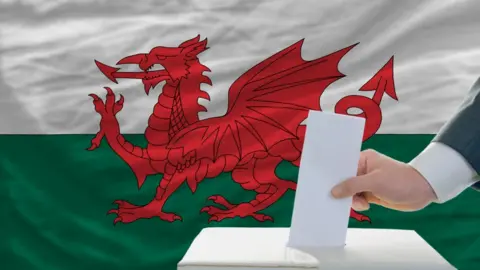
(319, 237)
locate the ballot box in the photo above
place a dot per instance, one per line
(266, 249)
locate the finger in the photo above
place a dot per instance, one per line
(354, 185)
(362, 164)
(359, 203)
(398, 207)
(370, 198)
(367, 158)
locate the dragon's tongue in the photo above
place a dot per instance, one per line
(108, 71)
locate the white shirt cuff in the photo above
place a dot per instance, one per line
(447, 172)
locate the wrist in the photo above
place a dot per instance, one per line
(445, 170)
(426, 190)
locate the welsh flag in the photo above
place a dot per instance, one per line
(128, 126)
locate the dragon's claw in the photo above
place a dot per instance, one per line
(359, 217)
(95, 97)
(241, 210)
(110, 107)
(218, 199)
(213, 218)
(116, 220)
(121, 100)
(95, 142)
(107, 111)
(109, 91)
(112, 211)
(127, 213)
(92, 147)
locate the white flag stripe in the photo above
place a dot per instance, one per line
(47, 54)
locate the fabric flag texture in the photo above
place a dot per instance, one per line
(192, 114)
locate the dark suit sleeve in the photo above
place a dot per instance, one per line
(462, 132)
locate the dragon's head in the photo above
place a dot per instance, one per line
(176, 63)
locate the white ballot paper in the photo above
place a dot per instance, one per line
(331, 152)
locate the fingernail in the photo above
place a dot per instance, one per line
(336, 191)
(358, 206)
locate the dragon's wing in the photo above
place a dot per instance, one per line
(266, 105)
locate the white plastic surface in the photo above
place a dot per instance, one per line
(265, 249)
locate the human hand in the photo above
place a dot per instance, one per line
(387, 182)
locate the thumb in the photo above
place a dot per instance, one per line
(354, 185)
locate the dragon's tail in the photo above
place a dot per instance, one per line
(382, 83)
(371, 111)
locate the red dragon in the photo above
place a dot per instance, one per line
(261, 128)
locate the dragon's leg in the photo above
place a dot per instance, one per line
(258, 175)
(136, 157)
(127, 212)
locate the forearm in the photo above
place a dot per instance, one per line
(462, 132)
